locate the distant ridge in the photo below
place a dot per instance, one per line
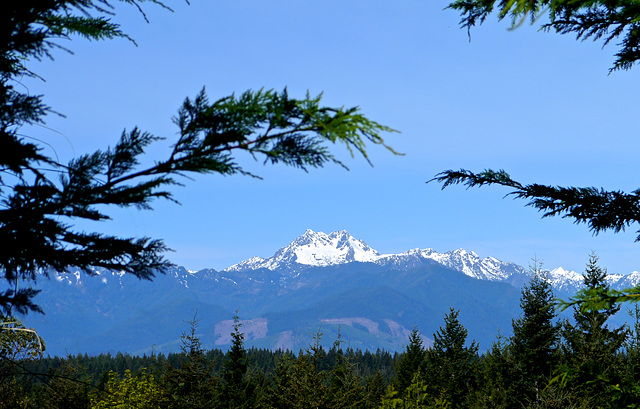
(318, 249)
(330, 281)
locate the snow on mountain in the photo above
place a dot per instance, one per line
(571, 281)
(620, 281)
(467, 262)
(253, 263)
(630, 280)
(564, 279)
(76, 277)
(316, 249)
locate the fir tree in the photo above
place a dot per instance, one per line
(345, 386)
(375, 387)
(494, 372)
(594, 364)
(632, 345)
(234, 370)
(451, 366)
(192, 384)
(533, 345)
(299, 383)
(410, 361)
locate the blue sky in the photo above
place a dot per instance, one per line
(538, 105)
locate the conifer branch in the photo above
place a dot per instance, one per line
(587, 19)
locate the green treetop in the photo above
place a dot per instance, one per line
(594, 365)
(533, 345)
(410, 361)
(451, 365)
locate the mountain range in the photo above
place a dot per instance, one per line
(332, 284)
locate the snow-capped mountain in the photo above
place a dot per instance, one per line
(467, 262)
(313, 249)
(318, 249)
(101, 276)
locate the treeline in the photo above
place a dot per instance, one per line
(258, 360)
(545, 363)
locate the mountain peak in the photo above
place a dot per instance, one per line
(318, 249)
(315, 249)
(321, 249)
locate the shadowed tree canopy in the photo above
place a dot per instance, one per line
(41, 198)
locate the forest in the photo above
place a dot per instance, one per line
(546, 362)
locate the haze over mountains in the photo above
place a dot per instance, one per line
(320, 282)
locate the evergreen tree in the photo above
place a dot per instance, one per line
(451, 366)
(346, 387)
(233, 387)
(19, 346)
(628, 394)
(493, 375)
(68, 387)
(593, 362)
(375, 387)
(533, 345)
(191, 385)
(410, 361)
(632, 345)
(140, 392)
(299, 383)
(41, 199)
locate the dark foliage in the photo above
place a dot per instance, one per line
(451, 366)
(593, 360)
(533, 345)
(410, 361)
(608, 20)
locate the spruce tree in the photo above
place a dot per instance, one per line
(375, 387)
(299, 382)
(629, 391)
(533, 345)
(451, 366)
(346, 389)
(493, 374)
(191, 384)
(594, 365)
(632, 345)
(410, 361)
(233, 388)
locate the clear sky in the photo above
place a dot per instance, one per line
(539, 105)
